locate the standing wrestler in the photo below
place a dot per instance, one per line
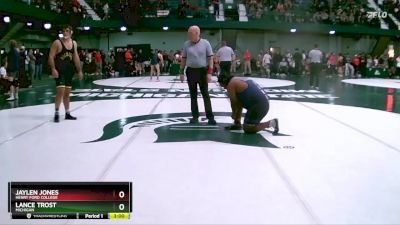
(63, 61)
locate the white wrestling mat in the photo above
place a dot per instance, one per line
(330, 164)
(375, 82)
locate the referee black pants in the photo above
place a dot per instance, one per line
(198, 76)
(315, 70)
(225, 68)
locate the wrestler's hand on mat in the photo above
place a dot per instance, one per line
(234, 127)
(54, 72)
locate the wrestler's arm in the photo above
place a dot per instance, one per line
(77, 61)
(236, 105)
(54, 49)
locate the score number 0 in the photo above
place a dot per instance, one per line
(121, 206)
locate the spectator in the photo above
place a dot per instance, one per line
(32, 64)
(298, 62)
(216, 7)
(155, 62)
(341, 62)
(283, 67)
(106, 10)
(247, 62)
(140, 58)
(96, 3)
(266, 63)
(38, 64)
(163, 5)
(349, 68)
(332, 62)
(13, 66)
(4, 82)
(128, 61)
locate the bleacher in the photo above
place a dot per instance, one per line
(270, 20)
(317, 11)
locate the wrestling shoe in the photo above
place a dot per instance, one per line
(69, 117)
(212, 122)
(275, 125)
(194, 120)
(56, 118)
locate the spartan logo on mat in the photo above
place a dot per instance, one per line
(175, 127)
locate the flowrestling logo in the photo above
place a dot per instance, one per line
(375, 14)
(175, 127)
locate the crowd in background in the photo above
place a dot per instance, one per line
(127, 62)
(391, 6)
(60, 6)
(137, 62)
(300, 11)
(343, 12)
(318, 11)
(130, 62)
(271, 62)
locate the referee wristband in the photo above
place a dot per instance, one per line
(210, 70)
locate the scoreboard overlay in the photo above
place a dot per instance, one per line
(70, 200)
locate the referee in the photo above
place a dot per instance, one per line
(225, 57)
(315, 56)
(197, 57)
